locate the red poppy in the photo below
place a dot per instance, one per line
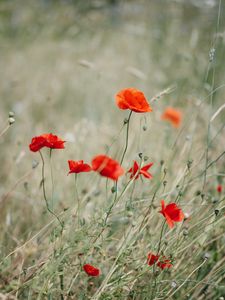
(46, 140)
(152, 259)
(107, 167)
(164, 263)
(219, 188)
(53, 141)
(137, 171)
(78, 166)
(172, 213)
(37, 143)
(132, 99)
(172, 115)
(91, 270)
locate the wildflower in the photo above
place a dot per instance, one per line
(46, 140)
(78, 166)
(172, 213)
(164, 263)
(132, 99)
(172, 115)
(37, 143)
(219, 188)
(136, 171)
(152, 259)
(91, 270)
(107, 167)
(53, 141)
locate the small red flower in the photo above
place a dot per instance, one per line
(136, 171)
(132, 99)
(172, 213)
(172, 115)
(164, 263)
(152, 259)
(53, 141)
(91, 270)
(107, 167)
(219, 188)
(37, 143)
(78, 166)
(46, 140)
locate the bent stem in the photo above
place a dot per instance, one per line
(127, 136)
(44, 193)
(78, 199)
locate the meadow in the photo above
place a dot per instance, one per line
(103, 231)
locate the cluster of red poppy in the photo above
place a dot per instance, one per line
(162, 262)
(135, 101)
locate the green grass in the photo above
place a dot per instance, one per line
(61, 65)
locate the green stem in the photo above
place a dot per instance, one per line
(78, 199)
(44, 192)
(127, 136)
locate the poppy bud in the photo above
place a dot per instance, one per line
(145, 158)
(113, 189)
(173, 284)
(130, 214)
(164, 182)
(207, 255)
(125, 121)
(217, 212)
(11, 121)
(187, 137)
(11, 114)
(144, 127)
(185, 232)
(198, 193)
(202, 195)
(140, 155)
(214, 200)
(180, 193)
(189, 163)
(162, 162)
(34, 164)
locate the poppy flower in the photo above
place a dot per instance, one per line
(91, 270)
(152, 259)
(136, 171)
(172, 213)
(46, 140)
(37, 143)
(219, 188)
(107, 167)
(53, 141)
(172, 115)
(164, 263)
(132, 99)
(78, 166)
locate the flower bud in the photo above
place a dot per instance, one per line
(11, 120)
(144, 127)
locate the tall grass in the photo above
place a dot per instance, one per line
(62, 63)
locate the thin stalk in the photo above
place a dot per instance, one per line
(78, 199)
(44, 192)
(127, 137)
(52, 178)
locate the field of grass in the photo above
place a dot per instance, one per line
(62, 63)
